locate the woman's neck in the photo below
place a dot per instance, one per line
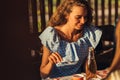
(69, 34)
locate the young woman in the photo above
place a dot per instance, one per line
(67, 38)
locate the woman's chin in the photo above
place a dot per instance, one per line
(79, 28)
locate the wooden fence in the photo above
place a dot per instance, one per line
(106, 12)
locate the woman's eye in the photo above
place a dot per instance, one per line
(78, 17)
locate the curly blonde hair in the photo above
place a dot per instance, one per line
(58, 18)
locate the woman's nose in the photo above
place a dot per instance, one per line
(82, 20)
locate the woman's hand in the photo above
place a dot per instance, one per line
(103, 73)
(55, 58)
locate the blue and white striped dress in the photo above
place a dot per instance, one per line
(73, 53)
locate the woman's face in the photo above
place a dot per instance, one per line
(77, 18)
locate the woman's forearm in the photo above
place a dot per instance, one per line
(115, 63)
(45, 70)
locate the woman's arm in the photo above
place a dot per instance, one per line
(115, 63)
(48, 61)
(116, 60)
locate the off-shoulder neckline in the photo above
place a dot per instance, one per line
(57, 34)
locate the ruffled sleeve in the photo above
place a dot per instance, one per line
(50, 39)
(94, 34)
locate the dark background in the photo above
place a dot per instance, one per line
(15, 55)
